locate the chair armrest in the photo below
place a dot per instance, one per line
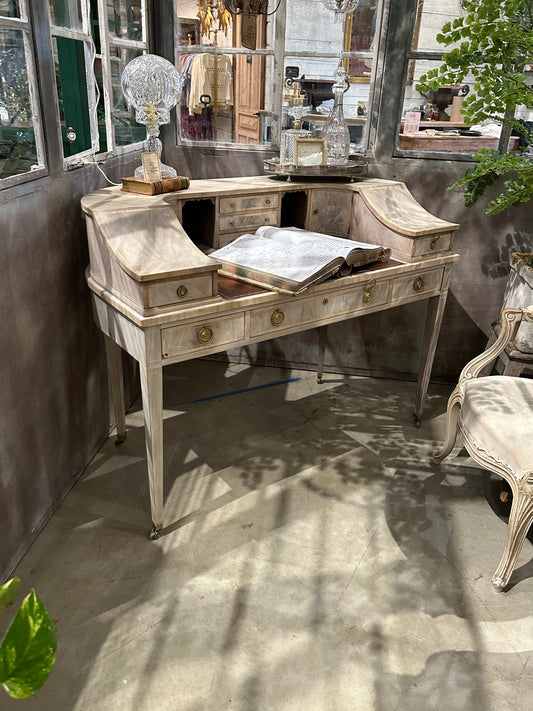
(510, 321)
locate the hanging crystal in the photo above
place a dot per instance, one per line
(341, 7)
(336, 130)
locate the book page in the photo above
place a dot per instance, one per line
(289, 252)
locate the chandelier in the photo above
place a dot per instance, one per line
(341, 7)
(247, 7)
(206, 15)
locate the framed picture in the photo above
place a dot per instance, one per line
(309, 151)
(359, 31)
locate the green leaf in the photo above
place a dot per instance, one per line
(28, 650)
(8, 593)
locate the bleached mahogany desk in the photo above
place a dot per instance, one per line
(159, 297)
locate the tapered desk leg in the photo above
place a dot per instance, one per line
(152, 398)
(116, 385)
(431, 334)
(322, 337)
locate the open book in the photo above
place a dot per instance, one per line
(290, 259)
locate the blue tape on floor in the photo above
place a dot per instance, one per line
(247, 390)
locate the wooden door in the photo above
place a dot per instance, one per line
(249, 87)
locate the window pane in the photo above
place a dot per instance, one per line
(126, 128)
(311, 27)
(313, 78)
(125, 19)
(442, 126)
(66, 13)
(10, 8)
(431, 18)
(223, 97)
(72, 97)
(18, 150)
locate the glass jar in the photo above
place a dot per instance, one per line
(336, 130)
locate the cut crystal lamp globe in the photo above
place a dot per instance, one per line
(152, 85)
(341, 7)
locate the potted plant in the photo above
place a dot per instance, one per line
(28, 650)
(492, 45)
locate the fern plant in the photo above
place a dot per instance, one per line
(28, 650)
(493, 43)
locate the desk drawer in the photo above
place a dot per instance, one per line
(418, 283)
(177, 340)
(232, 223)
(178, 291)
(433, 244)
(294, 313)
(248, 202)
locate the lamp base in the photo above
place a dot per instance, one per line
(166, 172)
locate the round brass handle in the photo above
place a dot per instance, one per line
(181, 291)
(267, 201)
(367, 291)
(418, 284)
(205, 334)
(233, 204)
(325, 301)
(267, 219)
(232, 223)
(277, 317)
(433, 243)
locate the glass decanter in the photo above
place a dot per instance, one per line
(336, 130)
(297, 111)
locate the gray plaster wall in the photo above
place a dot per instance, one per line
(54, 411)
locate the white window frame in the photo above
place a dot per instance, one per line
(106, 41)
(23, 23)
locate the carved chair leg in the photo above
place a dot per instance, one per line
(452, 417)
(520, 520)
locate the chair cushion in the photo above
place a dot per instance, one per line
(497, 412)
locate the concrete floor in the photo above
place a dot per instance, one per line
(312, 561)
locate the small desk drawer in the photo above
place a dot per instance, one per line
(417, 283)
(433, 244)
(294, 313)
(191, 337)
(248, 202)
(232, 223)
(178, 291)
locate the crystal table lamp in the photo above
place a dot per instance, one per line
(152, 85)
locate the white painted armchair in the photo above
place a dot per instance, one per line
(494, 415)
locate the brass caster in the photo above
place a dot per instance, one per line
(155, 533)
(416, 419)
(120, 439)
(319, 378)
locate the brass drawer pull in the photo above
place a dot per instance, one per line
(418, 284)
(205, 334)
(367, 291)
(267, 219)
(433, 242)
(233, 205)
(232, 223)
(267, 201)
(325, 301)
(181, 291)
(277, 317)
